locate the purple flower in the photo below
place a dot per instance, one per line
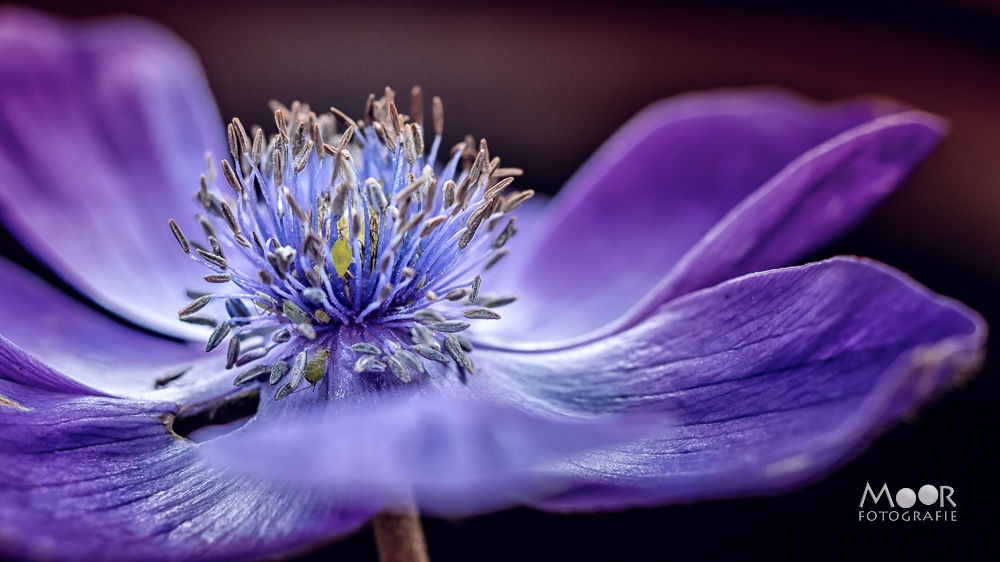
(653, 354)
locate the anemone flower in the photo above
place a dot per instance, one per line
(350, 282)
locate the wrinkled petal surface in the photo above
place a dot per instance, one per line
(449, 455)
(369, 436)
(773, 378)
(86, 477)
(105, 131)
(658, 189)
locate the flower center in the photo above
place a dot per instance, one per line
(370, 232)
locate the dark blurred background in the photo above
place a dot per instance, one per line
(546, 83)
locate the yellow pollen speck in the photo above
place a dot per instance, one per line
(341, 254)
(322, 316)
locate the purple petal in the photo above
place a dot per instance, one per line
(18, 367)
(775, 378)
(450, 455)
(105, 130)
(822, 193)
(662, 183)
(97, 478)
(87, 345)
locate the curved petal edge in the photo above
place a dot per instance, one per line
(106, 126)
(775, 378)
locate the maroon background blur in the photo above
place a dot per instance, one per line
(547, 83)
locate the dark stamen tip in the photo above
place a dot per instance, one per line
(455, 350)
(230, 176)
(219, 334)
(398, 369)
(481, 314)
(283, 391)
(366, 348)
(474, 293)
(250, 374)
(278, 371)
(200, 320)
(196, 305)
(214, 259)
(449, 326)
(176, 230)
(233, 352)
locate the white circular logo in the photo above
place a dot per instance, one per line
(928, 494)
(906, 498)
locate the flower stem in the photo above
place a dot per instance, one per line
(399, 537)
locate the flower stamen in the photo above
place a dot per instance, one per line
(374, 253)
